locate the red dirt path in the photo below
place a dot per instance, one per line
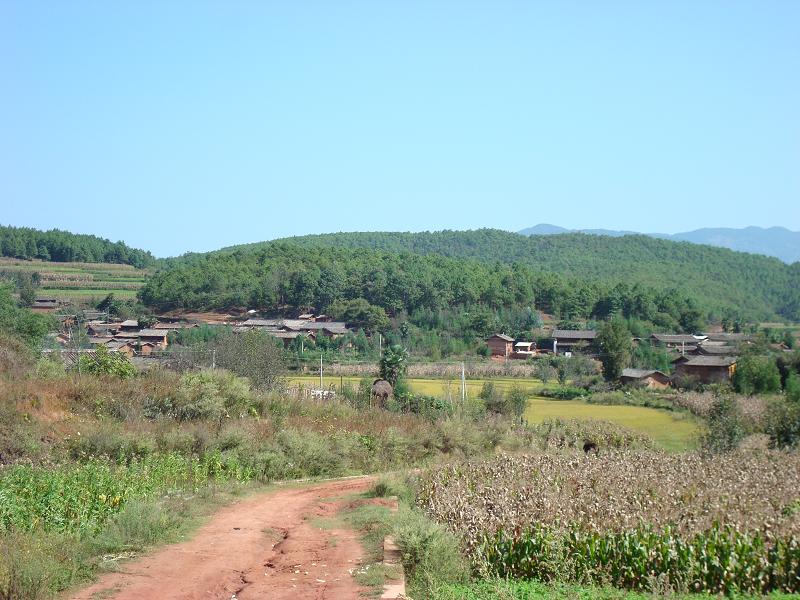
(262, 547)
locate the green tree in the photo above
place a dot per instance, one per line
(393, 364)
(615, 345)
(360, 314)
(756, 375)
(103, 362)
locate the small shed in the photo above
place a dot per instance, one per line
(649, 378)
(500, 344)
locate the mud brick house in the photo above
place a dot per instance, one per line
(705, 369)
(500, 344)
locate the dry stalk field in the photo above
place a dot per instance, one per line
(716, 524)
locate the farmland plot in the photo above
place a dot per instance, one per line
(637, 520)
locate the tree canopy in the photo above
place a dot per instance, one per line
(62, 246)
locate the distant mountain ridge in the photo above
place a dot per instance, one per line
(779, 242)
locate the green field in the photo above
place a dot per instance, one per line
(80, 281)
(673, 431)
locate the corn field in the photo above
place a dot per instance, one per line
(629, 519)
(79, 498)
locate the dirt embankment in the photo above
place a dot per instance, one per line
(262, 547)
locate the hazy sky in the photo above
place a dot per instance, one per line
(182, 126)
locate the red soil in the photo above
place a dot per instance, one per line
(261, 547)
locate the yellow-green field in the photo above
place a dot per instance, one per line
(81, 281)
(430, 386)
(672, 430)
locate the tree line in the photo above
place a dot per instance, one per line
(61, 246)
(370, 286)
(728, 284)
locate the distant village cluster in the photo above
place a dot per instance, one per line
(706, 358)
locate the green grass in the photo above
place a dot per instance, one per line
(673, 431)
(529, 590)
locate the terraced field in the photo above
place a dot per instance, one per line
(81, 282)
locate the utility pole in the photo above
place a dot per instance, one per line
(320, 371)
(463, 387)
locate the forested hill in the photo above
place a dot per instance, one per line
(62, 246)
(722, 281)
(362, 285)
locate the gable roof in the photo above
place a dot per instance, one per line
(677, 338)
(711, 361)
(159, 333)
(574, 334)
(641, 373)
(501, 336)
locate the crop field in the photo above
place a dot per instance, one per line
(430, 386)
(672, 431)
(80, 281)
(718, 524)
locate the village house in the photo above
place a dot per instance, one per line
(648, 378)
(500, 345)
(45, 305)
(679, 341)
(705, 369)
(129, 325)
(565, 340)
(157, 336)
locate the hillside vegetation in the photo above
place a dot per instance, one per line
(438, 292)
(61, 246)
(720, 280)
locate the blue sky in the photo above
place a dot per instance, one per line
(182, 126)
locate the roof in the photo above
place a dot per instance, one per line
(711, 361)
(640, 373)
(501, 336)
(130, 323)
(574, 334)
(679, 338)
(528, 344)
(716, 350)
(728, 337)
(143, 333)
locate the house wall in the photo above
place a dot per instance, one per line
(499, 347)
(705, 374)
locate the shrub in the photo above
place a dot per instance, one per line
(725, 428)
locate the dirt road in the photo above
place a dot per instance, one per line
(262, 547)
